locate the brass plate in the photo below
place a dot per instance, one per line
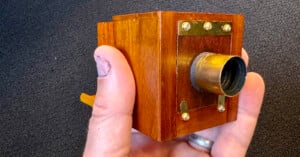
(196, 28)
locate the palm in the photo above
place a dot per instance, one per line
(110, 124)
(232, 138)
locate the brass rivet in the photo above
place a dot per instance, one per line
(186, 26)
(226, 27)
(184, 109)
(207, 26)
(221, 108)
(185, 116)
(221, 103)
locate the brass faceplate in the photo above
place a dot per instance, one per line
(200, 28)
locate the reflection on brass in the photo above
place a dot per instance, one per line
(207, 26)
(226, 27)
(204, 28)
(186, 26)
(184, 111)
(218, 73)
(221, 103)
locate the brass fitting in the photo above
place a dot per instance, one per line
(218, 73)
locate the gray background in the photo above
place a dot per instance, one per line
(46, 50)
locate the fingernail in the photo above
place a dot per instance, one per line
(103, 66)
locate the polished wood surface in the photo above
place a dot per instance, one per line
(160, 60)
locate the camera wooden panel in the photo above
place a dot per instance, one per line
(161, 58)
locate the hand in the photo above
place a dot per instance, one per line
(110, 132)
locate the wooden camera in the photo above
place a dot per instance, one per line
(187, 68)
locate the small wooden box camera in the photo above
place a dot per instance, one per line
(187, 68)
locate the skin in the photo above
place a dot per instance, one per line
(110, 132)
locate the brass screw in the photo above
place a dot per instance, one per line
(221, 103)
(207, 26)
(186, 26)
(184, 109)
(185, 116)
(226, 27)
(221, 108)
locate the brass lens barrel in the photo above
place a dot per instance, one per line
(218, 73)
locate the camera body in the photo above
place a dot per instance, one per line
(179, 89)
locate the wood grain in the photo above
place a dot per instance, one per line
(160, 60)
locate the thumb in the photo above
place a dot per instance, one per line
(111, 121)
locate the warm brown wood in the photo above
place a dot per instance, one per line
(188, 48)
(155, 51)
(138, 39)
(105, 33)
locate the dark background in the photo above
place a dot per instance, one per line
(46, 50)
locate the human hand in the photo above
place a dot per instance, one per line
(110, 132)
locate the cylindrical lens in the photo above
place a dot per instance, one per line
(218, 73)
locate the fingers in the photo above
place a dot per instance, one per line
(235, 137)
(110, 124)
(183, 149)
(142, 145)
(245, 56)
(145, 146)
